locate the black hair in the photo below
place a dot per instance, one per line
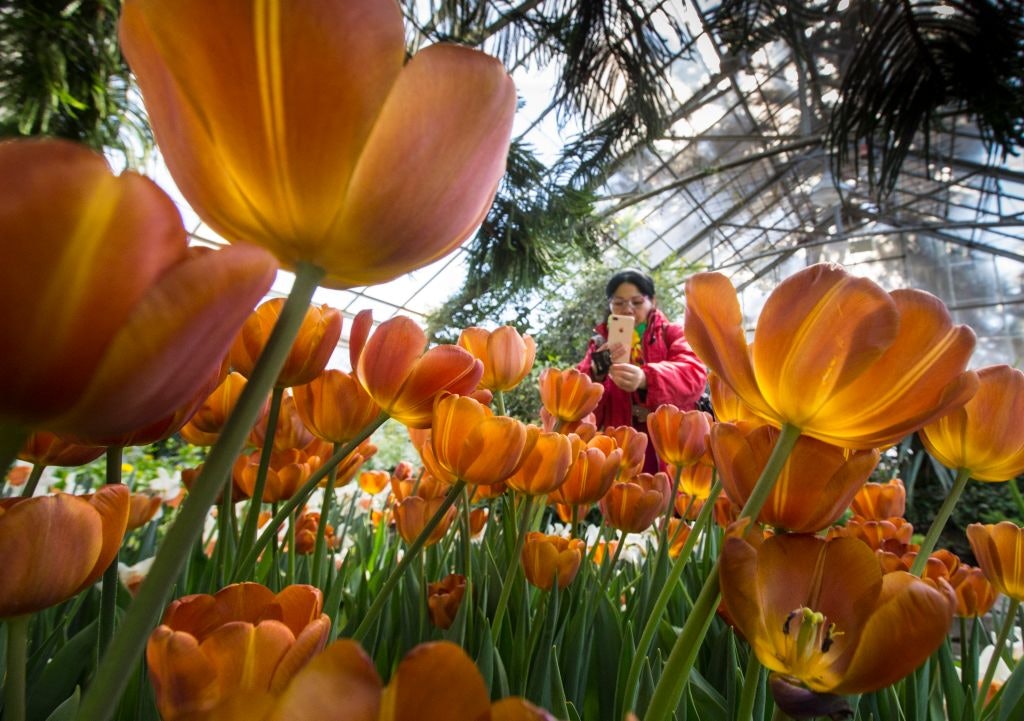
(643, 282)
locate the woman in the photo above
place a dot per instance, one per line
(660, 367)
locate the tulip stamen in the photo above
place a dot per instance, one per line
(815, 633)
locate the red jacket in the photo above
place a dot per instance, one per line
(674, 375)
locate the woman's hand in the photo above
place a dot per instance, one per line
(627, 376)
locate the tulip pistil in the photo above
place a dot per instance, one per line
(815, 632)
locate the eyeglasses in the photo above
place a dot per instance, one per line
(637, 302)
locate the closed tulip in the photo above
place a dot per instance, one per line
(334, 406)
(205, 425)
(999, 548)
(289, 433)
(245, 639)
(287, 473)
(118, 320)
(985, 436)
(317, 339)
(468, 442)
(634, 448)
(544, 466)
(821, 615)
(879, 501)
(306, 527)
(632, 506)
(679, 437)
(975, 596)
(506, 355)
(590, 474)
(548, 560)
(404, 378)
(56, 546)
(414, 512)
(309, 134)
(48, 449)
(814, 487)
(373, 482)
(834, 355)
(141, 510)
(568, 395)
(444, 599)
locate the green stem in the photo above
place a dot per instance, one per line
(410, 555)
(928, 544)
(108, 590)
(467, 541)
(102, 696)
(751, 678)
(997, 653)
(321, 531)
(33, 480)
(676, 672)
(12, 438)
(17, 659)
(1015, 492)
(620, 543)
(499, 401)
(252, 514)
(513, 567)
(671, 510)
(661, 603)
(301, 496)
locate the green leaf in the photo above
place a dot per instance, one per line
(67, 709)
(63, 674)
(1011, 705)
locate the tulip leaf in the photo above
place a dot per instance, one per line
(68, 708)
(559, 704)
(1011, 706)
(951, 687)
(63, 674)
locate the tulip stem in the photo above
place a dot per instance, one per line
(17, 658)
(997, 653)
(661, 602)
(410, 555)
(513, 566)
(467, 545)
(12, 438)
(113, 673)
(108, 591)
(321, 530)
(620, 543)
(676, 672)
(499, 401)
(252, 513)
(745, 708)
(248, 561)
(1015, 492)
(33, 480)
(945, 511)
(671, 508)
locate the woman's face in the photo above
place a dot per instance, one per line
(629, 300)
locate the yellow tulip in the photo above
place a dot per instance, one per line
(999, 548)
(299, 126)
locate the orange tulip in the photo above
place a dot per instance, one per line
(444, 598)
(289, 433)
(287, 473)
(416, 149)
(468, 442)
(879, 501)
(316, 341)
(999, 548)
(632, 506)
(373, 482)
(118, 319)
(551, 559)
(678, 531)
(568, 395)
(141, 510)
(985, 436)
(414, 512)
(834, 355)
(590, 475)
(205, 425)
(814, 488)
(694, 480)
(975, 596)
(404, 380)
(244, 639)
(679, 437)
(189, 476)
(333, 406)
(727, 405)
(424, 486)
(306, 527)
(56, 546)
(892, 535)
(478, 519)
(506, 355)
(348, 467)
(47, 449)
(481, 493)
(544, 465)
(634, 447)
(821, 613)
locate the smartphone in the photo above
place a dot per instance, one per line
(620, 330)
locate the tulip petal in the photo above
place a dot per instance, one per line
(173, 341)
(388, 357)
(463, 102)
(299, 605)
(339, 683)
(244, 656)
(819, 330)
(999, 549)
(908, 609)
(182, 676)
(436, 682)
(246, 122)
(442, 368)
(308, 643)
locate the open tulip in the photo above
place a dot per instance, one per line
(118, 320)
(822, 615)
(879, 501)
(632, 506)
(404, 378)
(506, 355)
(551, 559)
(679, 437)
(814, 487)
(310, 135)
(243, 639)
(544, 466)
(468, 442)
(986, 435)
(334, 406)
(287, 473)
(316, 341)
(999, 548)
(834, 355)
(568, 395)
(56, 546)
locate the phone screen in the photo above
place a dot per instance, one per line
(620, 330)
